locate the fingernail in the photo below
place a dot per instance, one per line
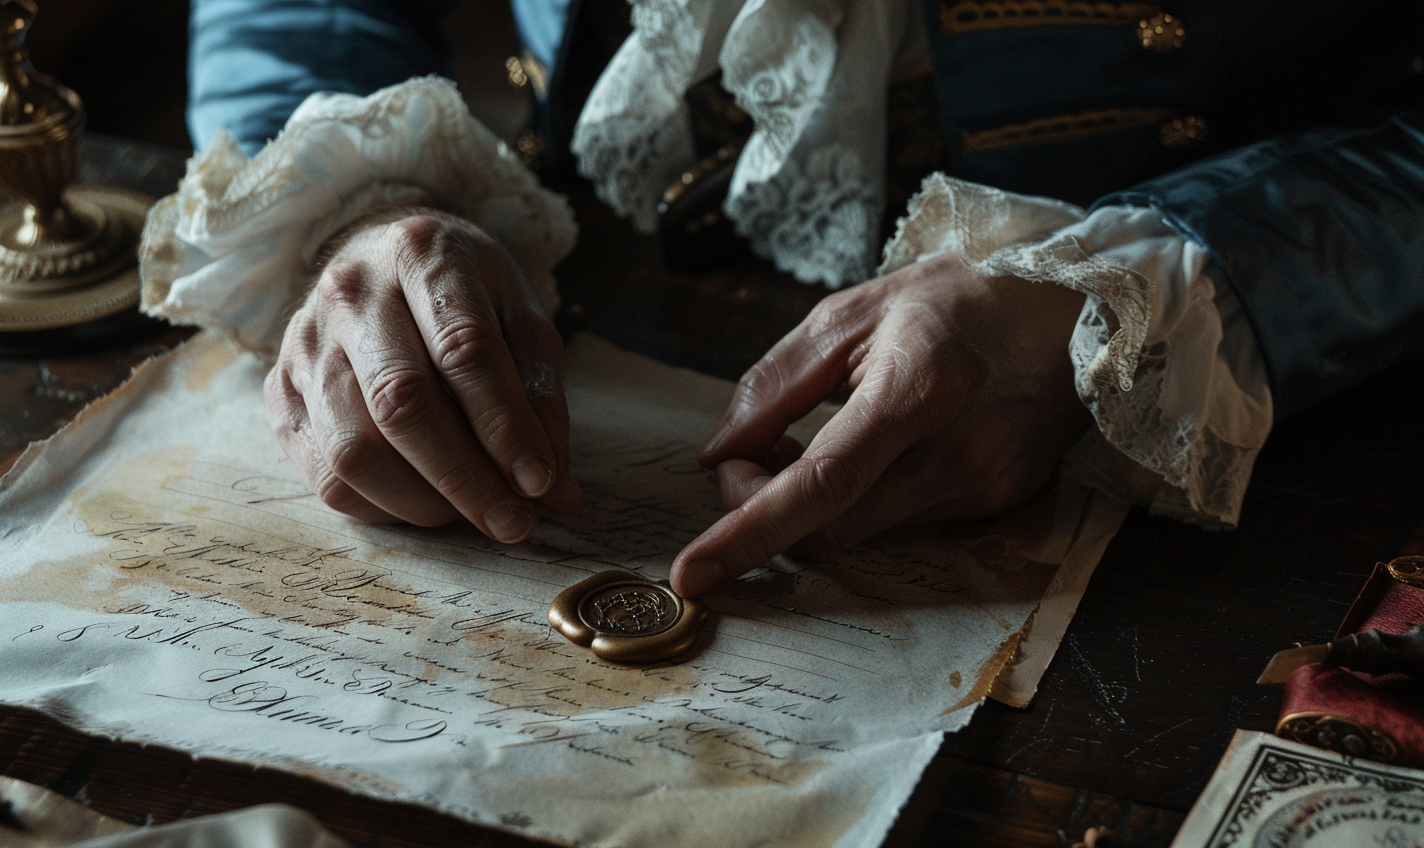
(509, 522)
(533, 475)
(699, 576)
(714, 440)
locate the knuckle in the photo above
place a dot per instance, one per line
(429, 246)
(400, 400)
(832, 316)
(834, 333)
(494, 424)
(833, 483)
(343, 283)
(353, 455)
(466, 347)
(337, 494)
(763, 380)
(304, 338)
(460, 483)
(415, 236)
(281, 406)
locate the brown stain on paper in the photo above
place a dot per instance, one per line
(146, 550)
(216, 355)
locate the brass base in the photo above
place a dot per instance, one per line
(46, 286)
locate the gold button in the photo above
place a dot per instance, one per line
(1183, 132)
(1161, 33)
(514, 72)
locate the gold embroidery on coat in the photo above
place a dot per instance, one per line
(971, 15)
(1064, 126)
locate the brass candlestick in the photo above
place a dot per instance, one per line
(67, 253)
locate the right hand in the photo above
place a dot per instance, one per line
(421, 380)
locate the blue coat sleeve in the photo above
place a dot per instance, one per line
(252, 62)
(1321, 235)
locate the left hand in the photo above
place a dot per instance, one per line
(962, 404)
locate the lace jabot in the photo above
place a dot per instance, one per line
(808, 190)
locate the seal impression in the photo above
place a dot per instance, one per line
(624, 618)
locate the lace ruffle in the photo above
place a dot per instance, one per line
(232, 249)
(813, 223)
(1160, 354)
(808, 187)
(634, 137)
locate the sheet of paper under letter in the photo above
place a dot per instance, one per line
(1273, 792)
(166, 578)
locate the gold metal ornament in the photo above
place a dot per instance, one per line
(1161, 33)
(1339, 734)
(624, 618)
(1407, 569)
(67, 253)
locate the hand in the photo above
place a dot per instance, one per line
(962, 404)
(420, 381)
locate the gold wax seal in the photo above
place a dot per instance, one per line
(627, 619)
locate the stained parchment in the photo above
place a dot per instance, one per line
(165, 577)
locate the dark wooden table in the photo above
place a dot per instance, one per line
(1152, 678)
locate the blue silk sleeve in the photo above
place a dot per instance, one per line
(252, 62)
(1321, 235)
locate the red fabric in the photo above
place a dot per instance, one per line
(1391, 703)
(1395, 706)
(1384, 604)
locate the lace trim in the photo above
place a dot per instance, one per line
(634, 135)
(814, 224)
(808, 189)
(818, 221)
(1121, 382)
(779, 78)
(232, 248)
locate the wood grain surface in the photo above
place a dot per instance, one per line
(1154, 675)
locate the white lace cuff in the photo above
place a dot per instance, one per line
(233, 248)
(1162, 353)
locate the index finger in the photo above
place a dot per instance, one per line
(849, 454)
(802, 369)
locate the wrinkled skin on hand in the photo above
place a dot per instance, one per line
(962, 404)
(421, 380)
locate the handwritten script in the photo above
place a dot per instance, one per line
(178, 584)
